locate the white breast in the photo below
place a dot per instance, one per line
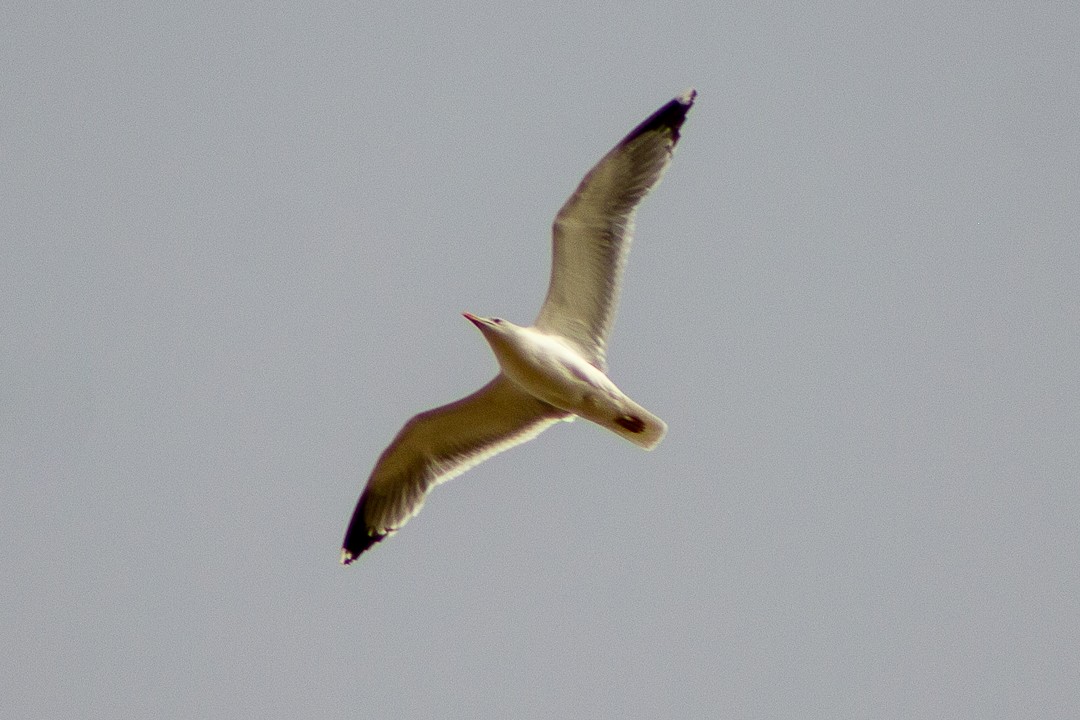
(548, 368)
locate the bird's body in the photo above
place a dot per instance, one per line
(552, 371)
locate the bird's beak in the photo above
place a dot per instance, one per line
(478, 322)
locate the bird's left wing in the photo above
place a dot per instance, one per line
(437, 445)
(592, 232)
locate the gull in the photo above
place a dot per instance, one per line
(552, 371)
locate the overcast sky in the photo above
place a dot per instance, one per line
(235, 243)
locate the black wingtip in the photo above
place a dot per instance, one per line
(671, 116)
(353, 548)
(357, 538)
(355, 544)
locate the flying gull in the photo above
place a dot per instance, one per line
(552, 371)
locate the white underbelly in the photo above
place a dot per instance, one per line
(549, 369)
(554, 373)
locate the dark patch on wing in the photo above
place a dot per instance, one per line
(358, 538)
(670, 116)
(631, 422)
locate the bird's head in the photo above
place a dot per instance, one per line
(496, 331)
(505, 338)
(489, 324)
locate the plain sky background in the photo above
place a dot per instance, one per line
(235, 240)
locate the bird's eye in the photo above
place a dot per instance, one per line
(497, 321)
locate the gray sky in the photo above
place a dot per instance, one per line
(235, 245)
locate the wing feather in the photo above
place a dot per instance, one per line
(437, 445)
(593, 230)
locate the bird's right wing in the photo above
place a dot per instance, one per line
(437, 445)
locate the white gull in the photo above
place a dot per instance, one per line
(552, 371)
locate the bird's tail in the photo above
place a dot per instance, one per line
(636, 424)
